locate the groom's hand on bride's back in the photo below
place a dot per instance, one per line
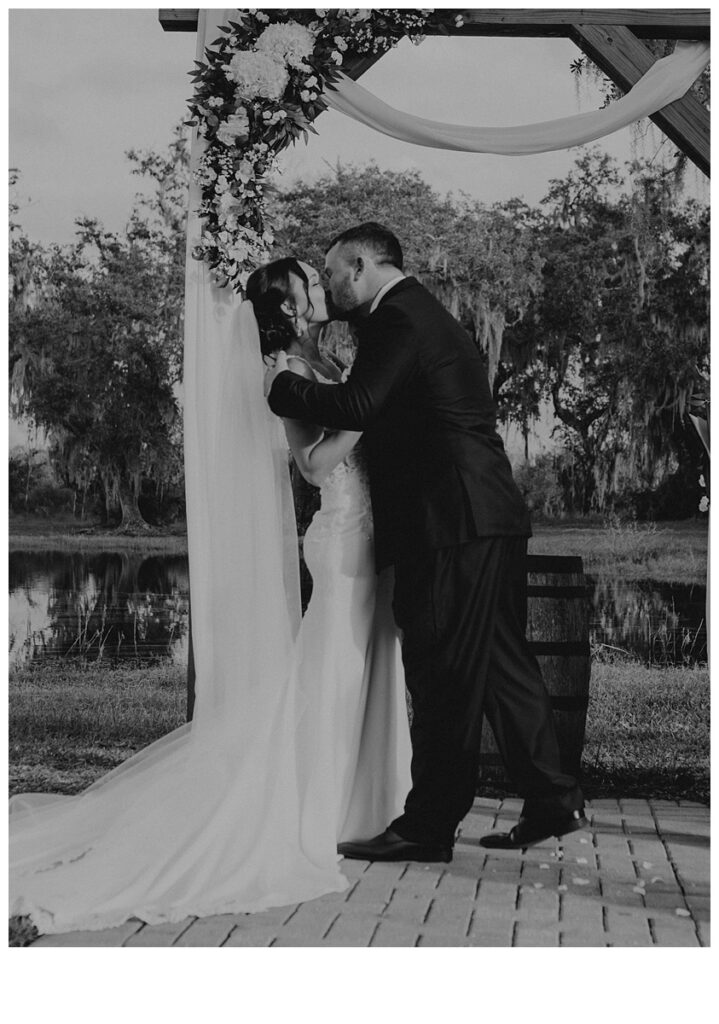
(275, 364)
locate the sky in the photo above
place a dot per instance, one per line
(86, 85)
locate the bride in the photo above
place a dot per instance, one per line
(293, 745)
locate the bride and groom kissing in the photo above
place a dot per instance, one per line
(450, 521)
(302, 749)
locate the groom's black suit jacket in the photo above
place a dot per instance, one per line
(439, 475)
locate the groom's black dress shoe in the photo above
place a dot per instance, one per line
(528, 831)
(389, 846)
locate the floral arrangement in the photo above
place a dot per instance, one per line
(259, 89)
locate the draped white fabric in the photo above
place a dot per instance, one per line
(237, 492)
(666, 81)
(218, 816)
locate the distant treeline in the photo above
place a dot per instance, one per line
(594, 304)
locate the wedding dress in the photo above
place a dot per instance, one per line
(251, 818)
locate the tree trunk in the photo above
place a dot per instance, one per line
(132, 521)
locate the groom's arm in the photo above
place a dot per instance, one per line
(385, 359)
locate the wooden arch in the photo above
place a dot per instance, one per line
(611, 38)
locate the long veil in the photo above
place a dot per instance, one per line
(184, 827)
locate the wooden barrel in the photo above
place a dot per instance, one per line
(558, 634)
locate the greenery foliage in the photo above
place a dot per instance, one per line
(260, 87)
(593, 304)
(95, 349)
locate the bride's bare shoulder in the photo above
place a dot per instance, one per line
(301, 367)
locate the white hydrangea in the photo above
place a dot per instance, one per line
(237, 126)
(257, 75)
(289, 42)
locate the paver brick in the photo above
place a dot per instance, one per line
(421, 878)
(679, 932)
(408, 908)
(625, 928)
(252, 935)
(450, 914)
(391, 933)
(488, 930)
(207, 931)
(351, 930)
(532, 935)
(452, 884)
(159, 934)
(617, 885)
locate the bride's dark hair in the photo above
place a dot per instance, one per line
(267, 288)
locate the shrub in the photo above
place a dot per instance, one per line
(540, 486)
(48, 498)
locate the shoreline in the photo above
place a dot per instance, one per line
(674, 552)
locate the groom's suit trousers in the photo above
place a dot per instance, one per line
(463, 611)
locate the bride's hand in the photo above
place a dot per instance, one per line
(275, 364)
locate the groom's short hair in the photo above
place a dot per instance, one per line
(374, 237)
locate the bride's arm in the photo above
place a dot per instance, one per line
(316, 458)
(315, 452)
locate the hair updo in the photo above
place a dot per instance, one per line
(267, 288)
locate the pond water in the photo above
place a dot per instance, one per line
(124, 605)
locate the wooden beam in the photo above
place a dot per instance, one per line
(355, 65)
(178, 19)
(609, 36)
(624, 59)
(649, 23)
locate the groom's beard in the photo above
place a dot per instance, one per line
(348, 315)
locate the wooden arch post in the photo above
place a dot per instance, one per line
(611, 38)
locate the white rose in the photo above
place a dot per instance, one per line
(704, 504)
(245, 171)
(237, 126)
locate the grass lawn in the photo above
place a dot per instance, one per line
(69, 723)
(670, 552)
(647, 729)
(647, 732)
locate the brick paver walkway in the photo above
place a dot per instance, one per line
(638, 877)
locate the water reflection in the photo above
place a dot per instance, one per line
(115, 605)
(120, 605)
(659, 623)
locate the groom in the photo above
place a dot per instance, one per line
(449, 517)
